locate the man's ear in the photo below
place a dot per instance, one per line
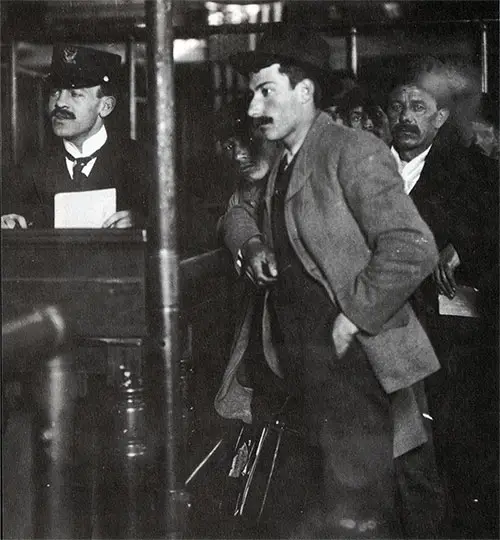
(307, 90)
(107, 105)
(441, 117)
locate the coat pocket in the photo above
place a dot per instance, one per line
(399, 319)
(400, 356)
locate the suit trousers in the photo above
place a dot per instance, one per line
(344, 410)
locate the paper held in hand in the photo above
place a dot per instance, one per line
(463, 304)
(84, 209)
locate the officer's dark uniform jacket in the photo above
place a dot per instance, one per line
(121, 163)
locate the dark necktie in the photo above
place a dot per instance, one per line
(281, 184)
(79, 163)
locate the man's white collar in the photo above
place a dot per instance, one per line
(410, 171)
(91, 145)
(416, 159)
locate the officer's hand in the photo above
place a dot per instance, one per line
(343, 333)
(13, 221)
(444, 273)
(260, 262)
(119, 220)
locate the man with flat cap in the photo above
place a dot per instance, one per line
(89, 167)
(338, 250)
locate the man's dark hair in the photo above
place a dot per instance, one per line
(413, 68)
(296, 74)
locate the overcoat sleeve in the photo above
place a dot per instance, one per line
(403, 250)
(241, 220)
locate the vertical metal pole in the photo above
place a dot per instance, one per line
(60, 493)
(484, 58)
(13, 100)
(41, 113)
(163, 280)
(353, 51)
(132, 90)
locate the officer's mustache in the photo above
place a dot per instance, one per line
(58, 112)
(406, 128)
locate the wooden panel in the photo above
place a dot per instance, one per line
(96, 277)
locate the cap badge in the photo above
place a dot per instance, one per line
(69, 55)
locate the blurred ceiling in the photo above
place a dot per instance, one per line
(36, 24)
(39, 18)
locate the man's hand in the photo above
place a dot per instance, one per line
(260, 262)
(119, 220)
(343, 333)
(444, 273)
(13, 221)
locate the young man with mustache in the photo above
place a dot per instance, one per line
(338, 248)
(456, 193)
(86, 158)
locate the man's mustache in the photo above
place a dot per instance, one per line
(57, 112)
(261, 121)
(406, 128)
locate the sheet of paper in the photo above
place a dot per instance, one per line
(463, 304)
(84, 209)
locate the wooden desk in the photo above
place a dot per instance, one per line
(99, 279)
(97, 276)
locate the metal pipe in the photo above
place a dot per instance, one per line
(248, 483)
(31, 338)
(132, 87)
(61, 490)
(13, 100)
(271, 471)
(200, 267)
(484, 57)
(40, 97)
(103, 31)
(162, 263)
(353, 50)
(203, 462)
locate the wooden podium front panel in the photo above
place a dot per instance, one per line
(96, 276)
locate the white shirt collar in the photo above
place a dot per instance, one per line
(91, 145)
(410, 170)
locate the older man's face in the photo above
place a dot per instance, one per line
(414, 119)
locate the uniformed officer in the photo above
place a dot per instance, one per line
(85, 158)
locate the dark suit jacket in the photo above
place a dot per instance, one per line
(30, 189)
(457, 195)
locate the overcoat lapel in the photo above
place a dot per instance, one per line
(304, 163)
(102, 173)
(301, 169)
(437, 181)
(58, 180)
(56, 177)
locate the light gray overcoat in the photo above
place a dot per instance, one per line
(358, 234)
